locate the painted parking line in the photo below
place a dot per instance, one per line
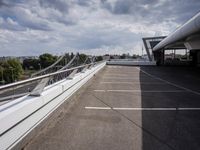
(170, 83)
(145, 109)
(152, 83)
(188, 108)
(141, 91)
(118, 78)
(98, 108)
(99, 91)
(119, 75)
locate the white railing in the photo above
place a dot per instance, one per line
(20, 116)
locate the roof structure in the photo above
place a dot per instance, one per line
(186, 36)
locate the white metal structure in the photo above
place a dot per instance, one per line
(187, 35)
(20, 116)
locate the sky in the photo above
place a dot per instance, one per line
(96, 27)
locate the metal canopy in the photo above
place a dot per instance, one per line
(149, 43)
(182, 34)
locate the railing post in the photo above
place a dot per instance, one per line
(84, 69)
(40, 87)
(71, 76)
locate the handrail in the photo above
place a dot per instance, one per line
(45, 69)
(41, 77)
(71, 61)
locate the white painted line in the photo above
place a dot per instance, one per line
(99, 91)
(124, 91)
(121, 78)
(170, 83)
(145, 109)
(120, 75)
(174, 91)
(152, 83)
(98, 108)
(137, 91)
(188, 108)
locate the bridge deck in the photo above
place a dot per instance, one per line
(126, 108)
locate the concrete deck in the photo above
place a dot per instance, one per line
(129, 108)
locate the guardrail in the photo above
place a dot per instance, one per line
(34, 86)
(20, 117)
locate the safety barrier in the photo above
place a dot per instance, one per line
(20, 116)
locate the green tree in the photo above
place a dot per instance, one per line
(72, 55)
(123, 56)
(31, 64)
(82, 58)
(47, 59)
(99, 58)
(1, 75)
(11, 70)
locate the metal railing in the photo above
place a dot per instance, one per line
(42, 72)
(70, 62)
(34, 86)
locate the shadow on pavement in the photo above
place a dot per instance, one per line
(169, 129)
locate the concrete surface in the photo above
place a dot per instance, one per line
(131, 62)
(129, 108)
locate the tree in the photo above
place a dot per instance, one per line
(31, 64)
(47, 59)
(1, 75)
(82, 58)
(123, 56)
(99, 58)
(11, 70)
(72, 55)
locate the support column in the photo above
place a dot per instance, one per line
(159, 57)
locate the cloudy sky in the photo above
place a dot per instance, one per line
(32, 27)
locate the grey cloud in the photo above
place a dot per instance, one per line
(122, 7)
(24, 18)
(106, 5)
(9, 24)
(154, 10)
(96, 38)
(60, 5)
(3, 3)
(64, 9)
(10, 3)
(83, 2)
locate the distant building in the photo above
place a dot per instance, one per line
(106, 57)
(22, 58)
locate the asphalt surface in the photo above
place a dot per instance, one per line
(130, 108)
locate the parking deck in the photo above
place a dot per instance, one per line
(129, 108)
